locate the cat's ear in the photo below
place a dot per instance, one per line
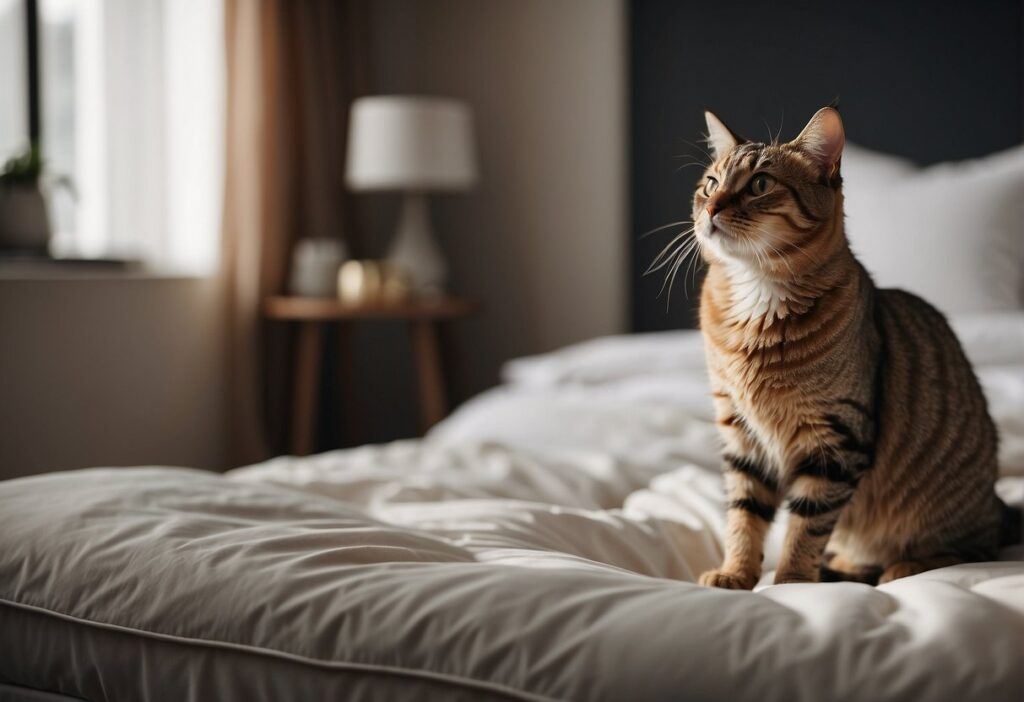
(823, 139)
(720, 138)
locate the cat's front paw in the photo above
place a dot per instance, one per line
(728, 580)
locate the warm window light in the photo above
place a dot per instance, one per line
(132, 106)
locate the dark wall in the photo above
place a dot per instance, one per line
(932, 81)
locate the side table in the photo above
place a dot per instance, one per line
(310, 315)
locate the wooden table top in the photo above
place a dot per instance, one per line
(285, 307)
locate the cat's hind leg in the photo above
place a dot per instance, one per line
(837, 568)
(980, 545)
(903, 569)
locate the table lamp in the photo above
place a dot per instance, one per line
(413, 145)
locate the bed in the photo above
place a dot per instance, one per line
(542, 543)
(539, 544)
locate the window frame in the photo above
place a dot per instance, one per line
(34, 97)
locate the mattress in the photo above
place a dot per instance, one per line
(540, 544)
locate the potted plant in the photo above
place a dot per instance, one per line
(24, 226)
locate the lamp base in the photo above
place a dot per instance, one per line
(414, 249)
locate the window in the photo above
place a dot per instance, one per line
(131, 95)
(13, 78)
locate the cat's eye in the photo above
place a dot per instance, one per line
(710, 186)
(761, 183)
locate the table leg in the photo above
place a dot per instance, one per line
(306, 377)
(433, 403)
(350, 426)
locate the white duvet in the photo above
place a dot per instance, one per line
(602, 458)
(541, 543)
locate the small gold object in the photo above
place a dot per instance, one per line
(369, 281)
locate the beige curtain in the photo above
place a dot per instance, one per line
(293, 67)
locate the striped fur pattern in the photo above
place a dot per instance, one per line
(850, 406)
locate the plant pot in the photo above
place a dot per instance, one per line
(24, 226)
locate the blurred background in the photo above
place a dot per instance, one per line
(194, 156)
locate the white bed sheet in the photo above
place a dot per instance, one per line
(604, 456)
(540, 544)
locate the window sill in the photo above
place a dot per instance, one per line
(13, 270)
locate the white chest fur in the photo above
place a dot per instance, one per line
(754, 296)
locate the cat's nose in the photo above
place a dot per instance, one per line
(714, 205)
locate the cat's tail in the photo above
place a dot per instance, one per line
(1011, 530)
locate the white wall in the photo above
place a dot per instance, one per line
(542, 240)
(109, 371)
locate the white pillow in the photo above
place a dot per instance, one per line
(952, 233)
(866, 167)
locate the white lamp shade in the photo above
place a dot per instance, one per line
(410, 143)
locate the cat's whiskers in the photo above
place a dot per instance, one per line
(672, 280)
(677, 258)
(694, 265)
(673, 264)
(689, 165)
(711, 159)
(665, 226)
(665, 255)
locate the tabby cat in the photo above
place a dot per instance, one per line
(855, 404)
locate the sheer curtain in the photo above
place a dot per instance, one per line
(133, 113)
(292, 71)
